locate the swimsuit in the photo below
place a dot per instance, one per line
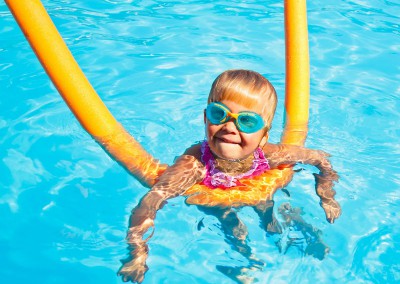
(248, 189)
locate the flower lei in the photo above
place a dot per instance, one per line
(217, 179)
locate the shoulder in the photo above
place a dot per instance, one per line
(191, 155)
(194, 150)
(279, 154)
(273, 149)
(270, 150)
(189, 160)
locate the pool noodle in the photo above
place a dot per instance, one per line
(78, 93)
(97, 120)
(297, 93)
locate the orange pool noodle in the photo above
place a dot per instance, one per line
(78, 93)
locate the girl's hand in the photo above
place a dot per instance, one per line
(324, 189)
(332, 209)
(135, 269)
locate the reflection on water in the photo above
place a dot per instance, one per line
(58, 189)
(290, 233)
(297, 233)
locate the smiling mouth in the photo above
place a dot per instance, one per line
(224, 140)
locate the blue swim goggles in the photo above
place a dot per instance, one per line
(245, 121)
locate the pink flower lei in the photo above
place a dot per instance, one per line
(217, 179)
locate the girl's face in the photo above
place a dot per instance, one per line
(227, 142)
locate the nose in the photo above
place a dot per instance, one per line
(230, 126)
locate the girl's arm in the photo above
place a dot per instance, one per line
(186, 171)
(280, 155)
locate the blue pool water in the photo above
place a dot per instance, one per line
(64, 204)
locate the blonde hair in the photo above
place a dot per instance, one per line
(247, 88)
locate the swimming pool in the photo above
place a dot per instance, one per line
(64, 203)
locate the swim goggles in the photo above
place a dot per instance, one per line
(245, 121)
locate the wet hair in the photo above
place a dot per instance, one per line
(247, 88)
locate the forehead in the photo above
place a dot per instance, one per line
(236, 107)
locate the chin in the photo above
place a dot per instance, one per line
(229, 153)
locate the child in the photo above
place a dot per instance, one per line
(240, 109)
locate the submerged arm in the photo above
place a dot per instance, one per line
(186, 171)
(280, 154)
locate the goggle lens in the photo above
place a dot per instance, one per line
(217, 114)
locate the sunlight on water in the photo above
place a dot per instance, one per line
(64, 204)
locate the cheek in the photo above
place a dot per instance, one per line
(209, 130)
(252, 140)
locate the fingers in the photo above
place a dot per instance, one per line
(133, 271)
(332, 210)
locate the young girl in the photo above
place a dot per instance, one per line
(238, 116)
